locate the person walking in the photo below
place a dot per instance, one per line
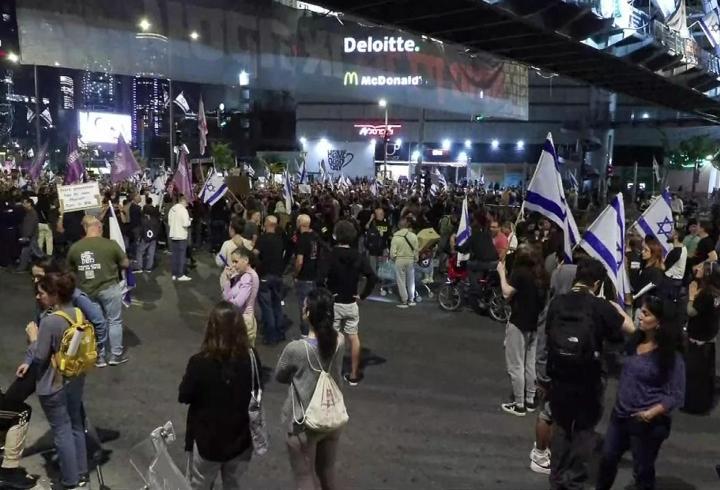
(148, 239)
(652, 385)
(97, 262)
(179, 223)
(270, 250)
(61, 398)
(312, 454)
(45, 232)
(345, 267)
(240, 286)
(306, 265)
(217, 385)
(404, 252)
(526, 290)
(577, 325)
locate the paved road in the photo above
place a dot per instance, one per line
(426, 417)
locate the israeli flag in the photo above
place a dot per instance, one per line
(546, 196)
(573, 181)
(128, 283)
(463, 232)
(438, 179)
(657, 221)
(605, 241)
(287, 192)
(214, 188)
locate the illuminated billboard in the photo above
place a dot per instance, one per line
(103, 127)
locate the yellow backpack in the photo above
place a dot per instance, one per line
(80, 338)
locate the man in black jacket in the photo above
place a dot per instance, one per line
(345, 267)
(270, 250)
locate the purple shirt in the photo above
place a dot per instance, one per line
(243, 292)
(642, 386)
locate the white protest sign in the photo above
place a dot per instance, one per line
(79, 197)
(304, 189)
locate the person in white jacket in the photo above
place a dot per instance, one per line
(179, 224)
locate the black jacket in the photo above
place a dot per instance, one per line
(218, 394)
(345, 267)
(480, 246)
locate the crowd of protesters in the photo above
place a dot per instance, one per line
(332, 242)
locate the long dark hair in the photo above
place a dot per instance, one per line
(668, 334)
(225, 334)
(321, 312)
(528, 257)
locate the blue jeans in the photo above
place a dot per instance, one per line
(178, 257)
(270, 301)
(146, 254)
(302, 289)
(94, 314)
(65, 416)
(110, 300)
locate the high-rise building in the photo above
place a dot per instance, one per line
(98, 89)
(147, 107)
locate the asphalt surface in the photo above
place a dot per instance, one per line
(427, 415)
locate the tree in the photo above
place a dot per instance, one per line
(223, 156)
(694, 153)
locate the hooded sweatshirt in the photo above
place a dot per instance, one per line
(345, 268)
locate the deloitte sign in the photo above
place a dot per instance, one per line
(385, 45)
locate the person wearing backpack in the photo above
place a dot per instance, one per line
(60, 391)
(404, 251)
(314, 410)
(577, 324)
(148, 237)
(217, 387)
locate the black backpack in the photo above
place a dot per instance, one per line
(573, 355)
(150, 228)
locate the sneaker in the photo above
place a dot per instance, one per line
(100, 362)
(174, 278)
(402, 305)
(117, 360)
(352, 381)
(137, 271)
(84, 480)
(531, 406)
(16, 478)
(412, 303)
(147, 271)
(383, 292)
(540, 461)
(514, 409)
(184, 279)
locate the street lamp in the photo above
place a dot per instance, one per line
(244, 79)
(12, 57)
(144, 25)
(383, 104)
(194, 35)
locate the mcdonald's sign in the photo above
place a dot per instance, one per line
(351, 78)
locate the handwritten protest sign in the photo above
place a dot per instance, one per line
(79, 197)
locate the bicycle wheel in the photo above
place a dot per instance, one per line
(499, 309)
(449, 297)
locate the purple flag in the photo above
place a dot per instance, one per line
(183, 178)
(124, 164)
(38, 162)
(74, 169)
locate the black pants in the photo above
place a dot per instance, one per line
(576, 410)
(700, 377)
(643, 439)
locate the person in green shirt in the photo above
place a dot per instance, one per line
(691, 239)
(97, 262)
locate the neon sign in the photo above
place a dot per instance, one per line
(352, 78)
(379, 130)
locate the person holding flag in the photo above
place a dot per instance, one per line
(287, 192)
(97, 262)
(75, 169)
(657, 222)
(124, 164)
(214, 189)
(202, 127)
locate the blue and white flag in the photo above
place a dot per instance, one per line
(287, 192)
(374, 188)
(605, 241)
(116, 235)
(463, 232)
(214, 188)
(301, 173)
(573, 181)
(438, 179)
(545, 195)
(657, 221)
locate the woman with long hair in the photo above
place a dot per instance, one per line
(217, 386)
(653, 266)
(703, 311)
(312, 454)
(60, 398)
(652, 385)
(526, 289)
(240, 286)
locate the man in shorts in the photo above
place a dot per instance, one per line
(344, 268)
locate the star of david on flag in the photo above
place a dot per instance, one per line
(214, 189)
(657, 221)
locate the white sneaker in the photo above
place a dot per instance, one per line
(412, 303)
(540, 461)
(174, 278)
(184, 279)
(402, 305)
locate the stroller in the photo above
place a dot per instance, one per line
(152, 461)
(428, 240)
